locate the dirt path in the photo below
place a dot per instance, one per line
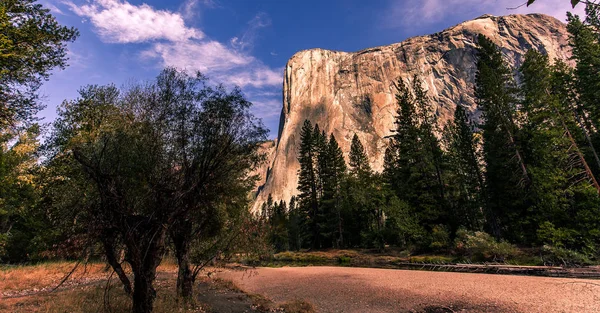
(342, 289)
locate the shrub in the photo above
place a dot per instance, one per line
(556, 237)
(481, 246)
(440, 238)
(344, 260)
(553, 255)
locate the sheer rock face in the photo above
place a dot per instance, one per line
(347, 93)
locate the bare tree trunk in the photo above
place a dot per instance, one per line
(145, 244)
(143, 292)
(185, 279)
(588, 171)
(108, 242)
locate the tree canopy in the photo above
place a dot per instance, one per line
(32, 43)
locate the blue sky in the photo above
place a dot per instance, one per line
(241, 42)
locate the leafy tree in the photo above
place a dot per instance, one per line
(19, 192)
(149, 159)
(32, 43)
(573, 2)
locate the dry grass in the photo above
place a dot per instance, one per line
(92, 299)
(47, 274)
(26, 289)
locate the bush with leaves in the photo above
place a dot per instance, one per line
(481, 246)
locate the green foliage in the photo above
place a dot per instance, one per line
(277, 220)
(506, 174)
(440, 238)
(307, 185)
(32, 43)
(414, 163)
(586, 51)
(467, 193)
(358, 160)
(559, 238)
(170, 158)
(481, 246)
(19, 194)
(560, 256)
(344, 260)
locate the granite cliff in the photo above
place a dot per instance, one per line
(348, 93)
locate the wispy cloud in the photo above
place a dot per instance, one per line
(54, 9)
(246, 41)
(268, 108)
(191, 9)
(423, 12)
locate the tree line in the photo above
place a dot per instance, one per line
(526, 172)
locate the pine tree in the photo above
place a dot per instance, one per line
(545, 148)
(563, 87)
(307, 185)
(413, 160)
(359, 162)
(586, 52)
(278, 232)
(294, 226)
(320, 158)
(428, 126)
(561, 178)
(506, 175)
(467, 192)
(398, 159)
(332, 193)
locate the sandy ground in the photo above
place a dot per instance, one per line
(343, 289)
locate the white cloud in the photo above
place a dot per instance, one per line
(121, 22)
(175, 44)
(205, 56)
(259, 77)
(170, 42)
(423, 12)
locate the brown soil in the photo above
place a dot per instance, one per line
(340, 289)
